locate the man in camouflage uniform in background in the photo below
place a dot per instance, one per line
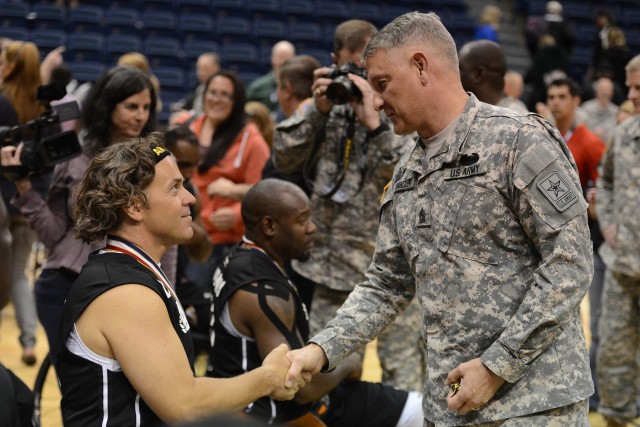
(356, 153)
(617, 206)
(485, 222)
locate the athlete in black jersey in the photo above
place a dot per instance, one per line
(256, 308)
(125, 355)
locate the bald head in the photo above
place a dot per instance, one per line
(280, 53)
(513, 84)
(269, 197)
(482, 68)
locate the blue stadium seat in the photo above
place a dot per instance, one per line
(14, 15)
(194, 48)
(234, 29)
(160, 5)
(119, 44)
(322, 55)
(194, 26)
(303, 10)
(264, 9)
(306, 34)
(163, 51)
(47, 16)
(170, 78)
(85, 18)
(248, 76)
(85, 46)
(124, 20)
(332, 12)
(240, 53)
(203, 7)
(159, 23)
(48, 39)
(368, 11)
(269, 31)
(224, 8)
(87, 71)
(14, 33)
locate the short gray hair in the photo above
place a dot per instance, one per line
(633, 65)
(416, 28)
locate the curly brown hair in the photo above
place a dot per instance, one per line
(115, 180)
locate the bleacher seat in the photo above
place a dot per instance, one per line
(85, 46)
(48, 39)
(194, 48)
(170, 77)
(248, 76)
(87, 71)
(14, 33)
(303, 10)
(224, 8)
(192, 26)
(322, 55)
(234, 29)
(368, 11)
(306, 34)
(157, 23)
(124, 20)
(203, 7)
(14, 15)
(163, 51)
(160, 5)
(264, 9)
(269, 31)
(85, 18)
(47, 16)
(332, 12)
(578, 12)
(240, 53)
(119, 44)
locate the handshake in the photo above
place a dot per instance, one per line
(290, 370)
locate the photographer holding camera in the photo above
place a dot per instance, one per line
(353, 150)
(121, 104)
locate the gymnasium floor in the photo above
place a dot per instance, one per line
(10, 353)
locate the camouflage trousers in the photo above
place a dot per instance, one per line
(617, 360)
(574, 415)
(401, 349)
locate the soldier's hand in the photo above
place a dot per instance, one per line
(477, 386)
(277, 362)
(365, 112)
(610, 235)
(319, 89)
(309, 359)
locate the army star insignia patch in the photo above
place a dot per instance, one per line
(557, 190)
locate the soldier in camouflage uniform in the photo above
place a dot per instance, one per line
(484, 221)
(356, 153)
(617, 204)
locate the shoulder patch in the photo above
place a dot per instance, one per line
(557, 191)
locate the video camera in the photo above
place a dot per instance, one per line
(341, 89)
(40, 153)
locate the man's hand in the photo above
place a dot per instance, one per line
(222, 187)
(477, 386)
(222, 219)
(14, 170)
(610, 235)
(309, 359)
(363, 108)
(319, 89)
(279, 364)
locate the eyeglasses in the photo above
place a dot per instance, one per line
(225, 96)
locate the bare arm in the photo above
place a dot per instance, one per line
(249, 318)
(142, 339)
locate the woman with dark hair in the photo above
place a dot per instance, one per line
(120, 105)
(233, 154)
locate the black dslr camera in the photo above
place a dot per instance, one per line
(43, 146)
(341, 90)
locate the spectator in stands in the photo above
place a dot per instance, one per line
(259, 114)
(617, 55)
(256, 307)
(604, 22)
(207, 65)
(617, 206)
(482, 67)
(599, 114)
(62, 75)
(233, 153)
(346, 196)
(489, 24)
(552, 23)
(263, 89)
(20, 75)
(120, 105)
(140, 62)
(513, 89)
(550, 63)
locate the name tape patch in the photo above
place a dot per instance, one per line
(558, 191)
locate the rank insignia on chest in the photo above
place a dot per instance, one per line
(423, 218)
(464, 171)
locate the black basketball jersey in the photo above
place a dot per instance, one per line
(230, 354)
(92, 394)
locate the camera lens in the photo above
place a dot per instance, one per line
(339, 90)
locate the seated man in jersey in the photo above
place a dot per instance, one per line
(256, 308)
(125, 355)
